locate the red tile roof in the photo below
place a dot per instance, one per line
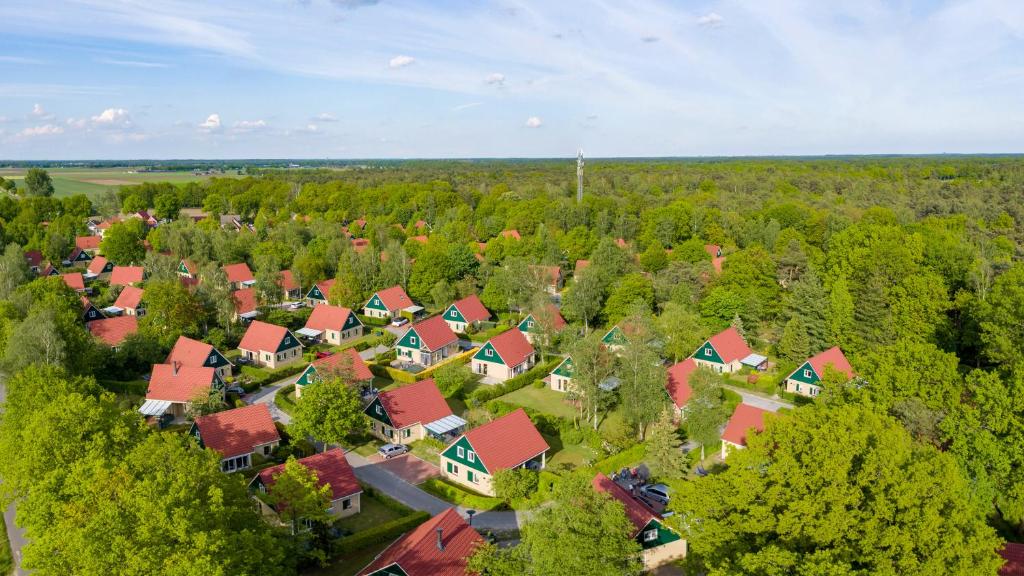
(97, 265)
(74, 280)
(1013, 553)
(181, 386)
(678, 382)
(238, 431)
(417, 553)
(328, 317)
(360, 244)
(556, 317)
(832, 357)
(189, 352)
(419, 224)
(512, 346)
(263, 336)
(621, 243)
(245, 300)
(421, 239)
(713, 250)
(114, 330)
(744, 418)
(129, 298)
(581, 265)
(330, 467)
(434, 333)
(359, 367)
(717, 263)
(287, 281)
(418, 402)
(472, 309)
(730, 345)
(394, 298)
(33, 257)
(238, 272)
(88, 242)
(507, 441)
(511, 234)
(361, 223)
(638, 513)
(125, 275)
(190, 266)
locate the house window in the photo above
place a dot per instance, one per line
(406, 433)
(379, 410)
(376, 301)
(346, 503)
(454, 469)
(460, 451)
(472, 477)
(707, 351)
(266, 357)
(266, 450)
(452, 313)
(807, 373)
(213, 359)
(471, 456)
(529, 323)
(412, 340)
(489, 352)
(650, 535)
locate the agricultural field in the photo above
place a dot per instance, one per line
(94, 181)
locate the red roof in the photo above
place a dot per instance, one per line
(238, 431)
(621, 243)
(434, 333)
(394, 298)
(360, 244)
(359, 367)
(1014, 555)
(190, 266)
(638, 513)
(581, 265)
(511, 234)
(472, 309)
(507, 441)
(328, 317)
(743, 419)
(97, 265)
(832, 357)
(189, 352)
(417, 553)
(325, 287)
(512, 346)
(181, 385)
(421, 239)
(130, 297)
(678, 384)
(287, 281)
(245, 300)
(264, 336)
(74, 280)
(33, 257)
(420, 224)
(360, 223)
(88, 242)
(331, 468)
(556, 317)
(114, 330)
(238, 272)
(713, 250)
(125, 275)
(717, 263)
(418, 402)
(730, 345)
(550, 274)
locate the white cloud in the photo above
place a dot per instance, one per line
(249, 125)
(44, 130)
(39, 112)
(113, 117)
(496, 79)
(312, 127)
(131, 63)
(400, 61)
(534, 122)
(711, 20)
(325, 117)
(211, 123)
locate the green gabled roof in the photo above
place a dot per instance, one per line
(453, 314)
(391, 570)
(708, 353)
(527, 324)
(665, 535)
(564, 368)
(615, 337)
(481, 354)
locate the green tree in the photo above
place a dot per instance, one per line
(631, 289)
(592, 363)
(664, 449)
(583, 299)
(452, 379)
(642, 373)
(122, 243)
(328, 411)
(1002, 329)
(206, 403)
(515, 483)
(167, 205)
(654, 259)
(680, 330)
(808, 301)
(171, 311)
(298, 496)
(38, 183)
(705, 412)
(794, 345)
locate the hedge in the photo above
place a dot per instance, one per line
(261, 378)
(626, 458)
(392, 373)
(385, 532)
(486, 393)
(457, 495)
(387, 501)
(386, 371)
(283, 401)
(458, 359)
(135, 387)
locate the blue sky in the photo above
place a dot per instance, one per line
(387, 79)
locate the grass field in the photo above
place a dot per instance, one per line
(94, 181)
(544, 400)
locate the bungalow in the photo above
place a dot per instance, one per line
(529, 325)
(427, 342)
(289, 287)
(508, 442)
(387, 303)
(331, 470)
(269, 345)
(465, 313)
(744, 419)
(239, 275)
(98, 267)
(126, 275)
(173, 387)
(196, 354)
(806, 379)
(319, 293)
(347, 364)
(660, 543)
(332, 324)
(677, 384)
(188, 269)
(90, 312)
(75, 281)
(129, 302)
(550, 277)
(723, 352)
(440, 546)
(407, 414)
(79, 257)
(245, 304)
(505, 356)
(237, 435)
(560, 378)
(89, 244)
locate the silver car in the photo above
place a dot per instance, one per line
(391, 450)
(655, 493)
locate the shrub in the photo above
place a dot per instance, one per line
(452, 379)
(515, 483)
(457, 495)
(570, 434)
(392, 373)
(385, 532)
(626, 458)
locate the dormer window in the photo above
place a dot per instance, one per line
(488, 352)
(460, 451)
(807, 373)
(707, 351)
(412, 340)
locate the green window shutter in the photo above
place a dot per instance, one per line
(449, 467)
(469, 475)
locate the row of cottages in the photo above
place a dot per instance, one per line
(466, 313)
(427, 342)
(387, 304)
(660, 543)
(347, 364)
(505, 356)
(269, 345)
(440, 546)
(413, 412)
(332, 469)
(332, 324)
(237, 435)
(508, 442)
(319, 292)
(806, 379)
(173, 387)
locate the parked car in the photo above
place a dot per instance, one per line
(295, 305)
(400, 321)
(236, 389)
(655, 492)
(392, 450)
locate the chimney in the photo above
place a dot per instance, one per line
(440, 540)
(174, 367)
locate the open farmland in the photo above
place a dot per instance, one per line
(93, 181)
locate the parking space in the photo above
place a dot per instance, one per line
(407, 467)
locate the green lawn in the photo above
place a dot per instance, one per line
(426, 451)
(372, 512)
(573, 455)
(364, 444)
(544, 400)
(94, 181)
(351, 564)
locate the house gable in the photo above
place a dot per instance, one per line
(665, 536)
(183, 269)
(82, 256)
(308, 376)
(375, 303)
(215, 359)
(564, 369)
(488, 354)
(377, 411)
(411, 339)
(287, 343)
(392, 570)
(315, 294)
(708, 353)
(352, 321)
(452, 453)
(615, 337)
(799, 376)
(527, 324)
(453, 314)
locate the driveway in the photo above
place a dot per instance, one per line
(266, 396)
(758, 400)
(407, 467)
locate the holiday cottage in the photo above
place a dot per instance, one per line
(346, 364)
(465, 313)
(510, 441)
(237, 435)
(427, 342)
(413, 412)
(193, 353)
(269, 345)
(387, 303)
(723, 352)
(806, 379)
(660, 543)
(505, 356)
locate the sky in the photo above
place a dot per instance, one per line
(133, 79)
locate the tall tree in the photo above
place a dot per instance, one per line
(680, 330)
(794, 345)
(38, 183)
(298, 497)
(329, 411)
(664, 452)
(642, 373)
(171, 311)
(592, 364)
(705, 411)
(584, 299)
(13, 270)
(808, 301)
(122, 243)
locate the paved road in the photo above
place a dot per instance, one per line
(266, 396)
(371, 353)
(759, 400)
(15, 534)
